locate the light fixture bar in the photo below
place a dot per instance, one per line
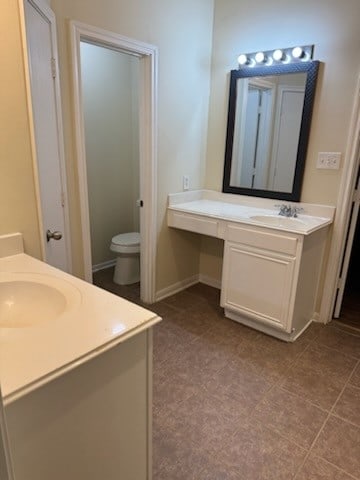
(282, 56)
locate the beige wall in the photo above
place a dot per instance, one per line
(18, 211)
(182, 31)
(248, 26)
(110, 98)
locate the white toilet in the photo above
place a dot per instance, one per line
(127, 248)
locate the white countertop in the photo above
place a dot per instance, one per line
(241, 209)
(94, 321)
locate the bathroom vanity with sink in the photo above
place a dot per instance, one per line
(76, 374)
(271, 264)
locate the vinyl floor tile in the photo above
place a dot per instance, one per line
(348, 405)
(257, 452)
(355, 377)
(235, 385)
(317, 469)
(339, 444)
(312, 386)
(291, 416)
(202, 421)
(337, 339)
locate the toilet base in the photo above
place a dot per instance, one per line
(127, 269)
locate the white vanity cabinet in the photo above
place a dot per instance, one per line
(259, 272)
(270, 279)
(270, 271)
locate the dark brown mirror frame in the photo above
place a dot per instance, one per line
(311, 68)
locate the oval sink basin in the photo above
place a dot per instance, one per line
(27, 300)
(279, 221)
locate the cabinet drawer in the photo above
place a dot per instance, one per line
(267, 241)
(193, 223)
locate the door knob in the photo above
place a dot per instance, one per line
(55, 235)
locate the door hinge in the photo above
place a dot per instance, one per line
(53, 67)
(139, 203)
(62, 199)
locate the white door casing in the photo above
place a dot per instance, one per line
(343, 208)
(43, 91)
(148, 145)
(348, 247)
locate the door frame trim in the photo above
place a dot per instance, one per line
(342, 215)
(44, 9)
(148, 55)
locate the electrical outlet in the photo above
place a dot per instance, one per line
(186, 182)
(328, 160)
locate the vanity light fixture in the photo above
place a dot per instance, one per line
(277, 56)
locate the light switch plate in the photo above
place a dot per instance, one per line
(329, 160)
(186, 182)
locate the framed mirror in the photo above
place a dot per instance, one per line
(268, 129)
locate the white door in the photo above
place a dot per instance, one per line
(42, 54)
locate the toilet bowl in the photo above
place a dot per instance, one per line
(127, 248)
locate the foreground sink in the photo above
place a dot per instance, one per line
(279, 221)
(30, 299)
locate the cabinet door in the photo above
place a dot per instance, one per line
(258, 284)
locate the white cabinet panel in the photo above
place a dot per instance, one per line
(259, 284)
(253, 237)
(193, 223)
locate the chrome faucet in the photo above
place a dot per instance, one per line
(289, 210)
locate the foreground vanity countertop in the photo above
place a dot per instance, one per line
(90, 322)
(251, 210)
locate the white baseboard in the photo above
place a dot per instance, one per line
(176, 287)
(316, 317)
(179, 286)
(212, 282)
(103, 265)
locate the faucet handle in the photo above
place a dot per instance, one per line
(297, 210)
(284, 209)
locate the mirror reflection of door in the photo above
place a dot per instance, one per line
(286, 137)
(253, 128)
(266, 131)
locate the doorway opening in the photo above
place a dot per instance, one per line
(350, 308)
(115, 117)
(110, 87)
(347, 305)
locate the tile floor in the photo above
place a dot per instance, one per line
(350, 308)
(232, 403)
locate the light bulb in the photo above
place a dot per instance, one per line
(278, 55)
(297, 52)
(260, 57)
(242, 59)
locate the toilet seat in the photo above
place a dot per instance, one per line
(126, 243)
